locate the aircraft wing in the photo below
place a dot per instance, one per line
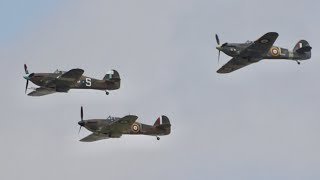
(261, 46)
(73, 74)
(123, 124)
(67, 79)
(234, 64)
(255, 51)
(41, 91)
(94, 137)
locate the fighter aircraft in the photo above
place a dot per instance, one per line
(250, 52)
(62, 81)
(114, 127)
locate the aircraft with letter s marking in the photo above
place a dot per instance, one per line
(114, 127)
(250, 52)
(62, 81)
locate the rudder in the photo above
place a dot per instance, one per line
(112, 78)
(112, 75)
(162, 121)
(302, 50)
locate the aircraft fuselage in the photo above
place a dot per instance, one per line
(235, 49)
(104, 126)
(48, 80)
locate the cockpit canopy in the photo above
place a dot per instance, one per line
(110, 118)
(58, 72)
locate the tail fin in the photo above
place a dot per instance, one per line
(303, 50)
(162, 122)
(112, 75)
(113, 79)
(302, 47)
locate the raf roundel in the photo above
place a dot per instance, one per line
(135, 127)
(264, 41)
(275, 51)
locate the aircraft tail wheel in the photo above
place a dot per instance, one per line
(298, 62)
(107, 93)
(158, 138)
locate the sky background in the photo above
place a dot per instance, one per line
(260, 122)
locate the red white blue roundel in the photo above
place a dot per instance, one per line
(135, 127)
(275, 51)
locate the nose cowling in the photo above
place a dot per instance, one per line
(220, 47)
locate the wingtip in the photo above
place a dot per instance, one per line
(80, 69)
(220, 71)
(273, 33)
(134, 116)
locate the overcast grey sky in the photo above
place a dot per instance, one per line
(260, 122)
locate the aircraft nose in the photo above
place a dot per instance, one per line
(81, 123)
(219, 48)
(27, 77)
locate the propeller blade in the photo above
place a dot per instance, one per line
(224, 44)
(217, 39)
(81, 113)
(219, 57)
(26, 86)
(26, 69)
(79, 129)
